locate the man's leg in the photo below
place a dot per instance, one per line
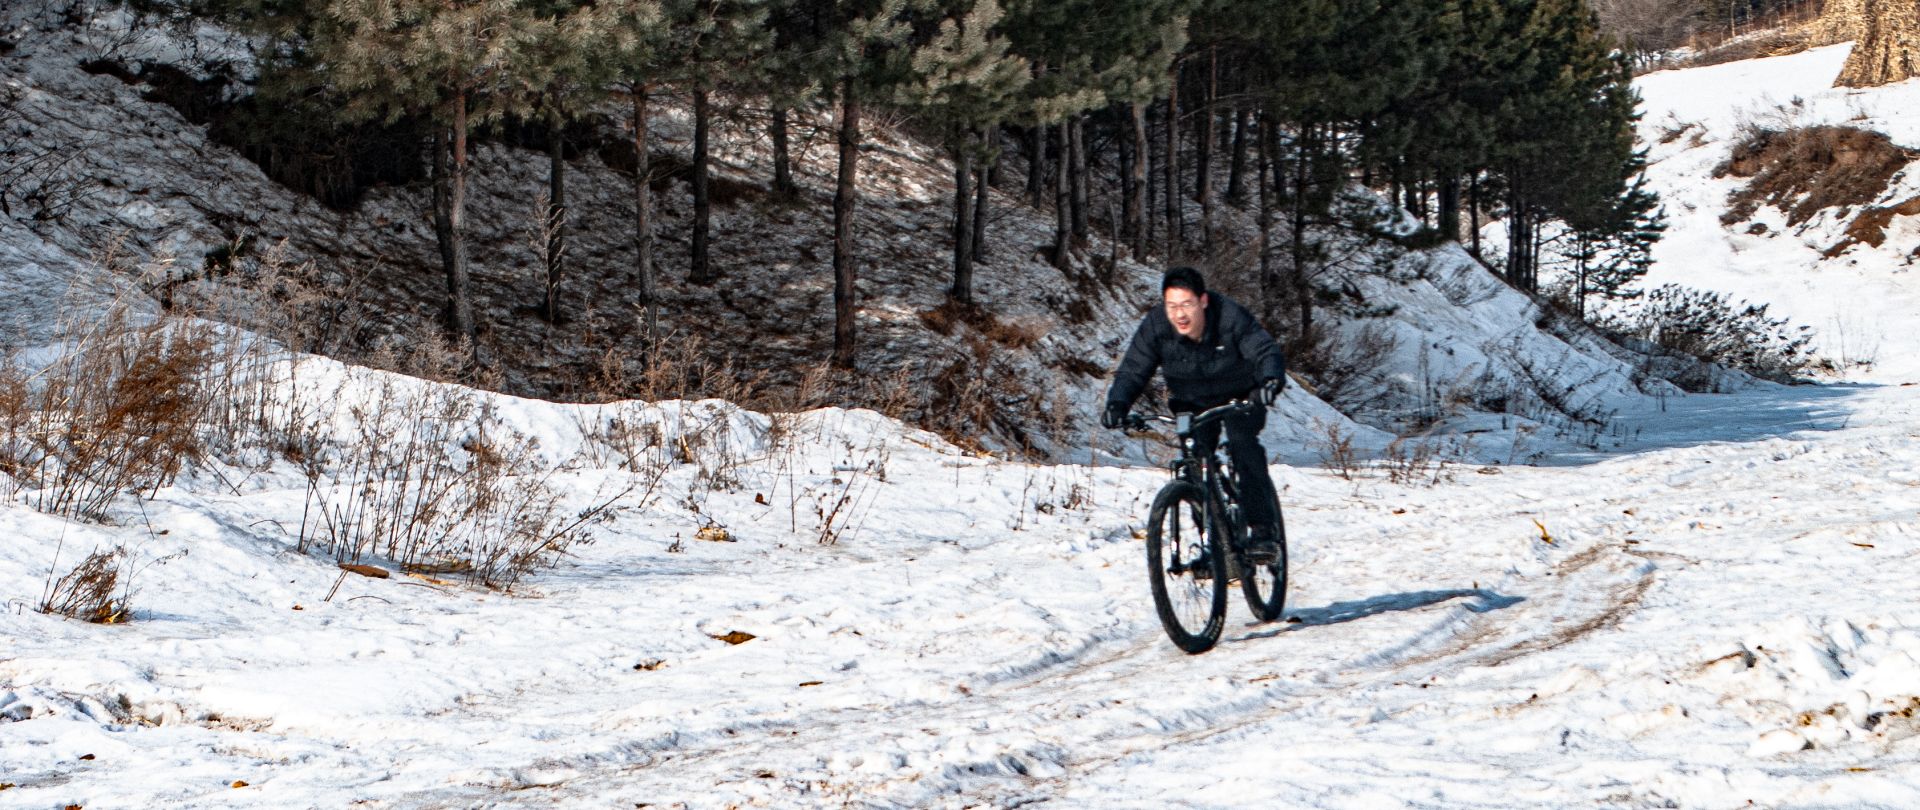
(1256, 482)
(1205, 438)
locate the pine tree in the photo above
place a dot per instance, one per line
(966, 80)
(1564, 129)
(559, 74)
(1126, 58)
(636, 38)
(713, 46)
(449, 59)
(856, 48)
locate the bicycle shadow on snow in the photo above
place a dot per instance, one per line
(1481, 600)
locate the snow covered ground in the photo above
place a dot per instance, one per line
(1714, 619)
(1712, 614)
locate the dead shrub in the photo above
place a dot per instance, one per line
(1416, 461)
(1336, 449)
(433, 478)
(91, 591)
(1804, 170)
(1721, 50)
(120, 408)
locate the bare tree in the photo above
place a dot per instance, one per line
(1645, 27)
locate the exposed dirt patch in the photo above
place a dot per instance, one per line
(1805, 170)
(1870, 228)
(1013, 334)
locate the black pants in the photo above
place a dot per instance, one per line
(1249, 460)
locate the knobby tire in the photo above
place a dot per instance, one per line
(1193, 611)
(1266, 586)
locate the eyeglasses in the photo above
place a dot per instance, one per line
(1183, 306)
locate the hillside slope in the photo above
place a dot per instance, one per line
(1857, 296)
(147, 192)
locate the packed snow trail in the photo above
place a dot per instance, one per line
(1700, 623)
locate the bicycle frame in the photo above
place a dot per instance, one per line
(1222, 487)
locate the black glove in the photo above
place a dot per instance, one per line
(1114, 416)
(1269, 391)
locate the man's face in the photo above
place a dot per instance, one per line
(1186, 311)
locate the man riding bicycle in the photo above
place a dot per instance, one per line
(1211, 351)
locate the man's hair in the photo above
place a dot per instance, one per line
(1185, 278)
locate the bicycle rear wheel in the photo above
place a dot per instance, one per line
(1265, 586)
(1186, 568)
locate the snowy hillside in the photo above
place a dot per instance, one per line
(150, 194)
(1858, 303)
(1601, 592)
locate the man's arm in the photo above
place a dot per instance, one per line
(1136, 367)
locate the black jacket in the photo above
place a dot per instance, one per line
(1231, 359)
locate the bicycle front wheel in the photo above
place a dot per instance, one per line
(1265, 586)
(1186, 568)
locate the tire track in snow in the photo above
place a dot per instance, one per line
(1026, 738)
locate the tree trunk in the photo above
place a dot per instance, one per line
(1137, 171)
(845, 197)
(1037, 151)
(1450, 207)
(1206, 130)
(1302, 283)
(1890, 49)
(1077, 175)
(1473, 215)
(1269, 280)
(783, 185)
(701, 270)
(1171, 165)
(556, 224)
(1123, 172)
(1237, 160)
(1036, 164)
(643, 216)
(962, 290)
(459, 297)
(443, 213)
(1519, 241)
(1203, 137)
(989, 168)
(1062, 204)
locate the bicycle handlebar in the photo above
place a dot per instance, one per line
(1136, 421)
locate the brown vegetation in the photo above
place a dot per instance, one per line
(1805, 170)
(91, 591)
(1870, 228)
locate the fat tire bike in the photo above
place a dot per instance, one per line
(1197, 538)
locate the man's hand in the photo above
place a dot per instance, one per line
(1269, 391)
(1114, 416)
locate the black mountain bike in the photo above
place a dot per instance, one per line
(1197, 537)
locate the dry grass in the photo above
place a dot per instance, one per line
(91, 591)
(124, 405)
(1336, 449)
(1417, 461)
(1013, 334)
(423, 474)
(1805, 170)
(433, 478)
